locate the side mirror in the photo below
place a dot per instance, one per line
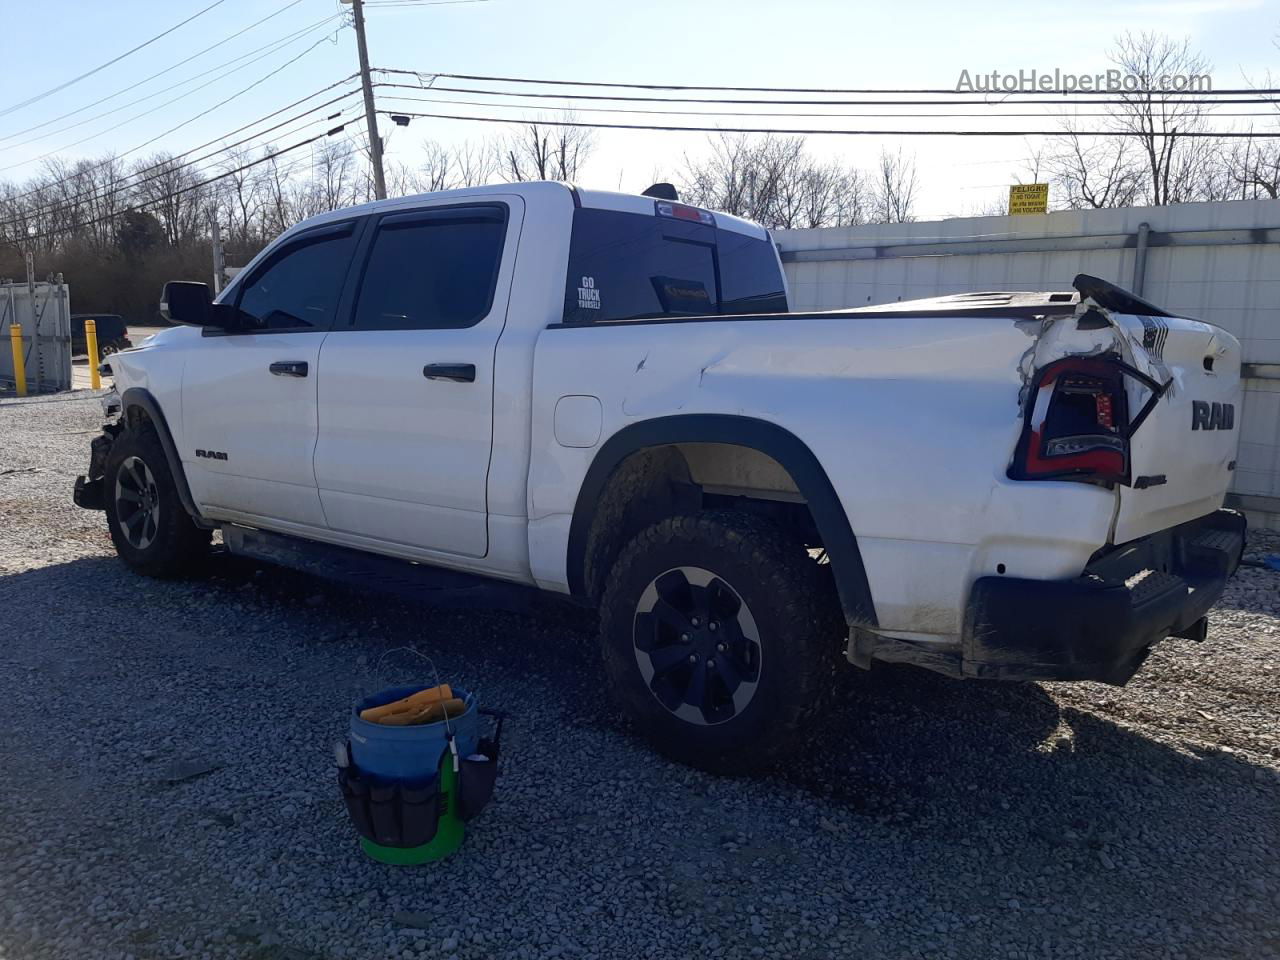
(189, 302)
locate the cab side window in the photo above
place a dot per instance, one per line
(298, 288)
(432, 269)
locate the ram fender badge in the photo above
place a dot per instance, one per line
(211, 454)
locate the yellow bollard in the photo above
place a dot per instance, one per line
(91, 337)
(19, 367)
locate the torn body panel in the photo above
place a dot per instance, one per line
(916, 418)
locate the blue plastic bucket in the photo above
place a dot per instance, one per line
(411, 753)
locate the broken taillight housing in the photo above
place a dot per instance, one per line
(1077, 424)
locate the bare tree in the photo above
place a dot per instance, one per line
(1253, 167)
(1176, 167)
(335, 183)
(895, 187)
(540, 152)
(1095, 172)
(774, 181)
(240, 194)
(474, 164)
(172, 191)
(277, 211)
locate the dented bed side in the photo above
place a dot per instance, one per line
(914, 416)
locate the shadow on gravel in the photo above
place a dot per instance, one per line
(968, 796)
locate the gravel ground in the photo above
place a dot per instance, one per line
(950, 819)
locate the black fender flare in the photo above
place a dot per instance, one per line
(143, 399)
(769, 438)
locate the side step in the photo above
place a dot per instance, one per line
(357, 569)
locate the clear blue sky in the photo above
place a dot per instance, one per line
(810, 43)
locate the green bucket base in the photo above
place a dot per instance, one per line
(448, 838)
(449, 831)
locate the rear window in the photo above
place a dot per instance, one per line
(625, 266)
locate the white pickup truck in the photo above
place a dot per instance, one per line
(604, 395)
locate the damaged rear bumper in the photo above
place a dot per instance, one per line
(1101, 625)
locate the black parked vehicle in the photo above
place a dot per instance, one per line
(113, 335)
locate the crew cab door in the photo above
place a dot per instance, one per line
(1182, 455)
(406, 386)
(249, 395)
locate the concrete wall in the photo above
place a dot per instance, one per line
(1218, 262)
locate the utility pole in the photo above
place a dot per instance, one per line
(219, 255)
(370, 114)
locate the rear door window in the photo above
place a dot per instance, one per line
(432, 269)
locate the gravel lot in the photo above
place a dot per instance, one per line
(950, 820)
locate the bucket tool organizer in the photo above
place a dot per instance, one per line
(409, 790)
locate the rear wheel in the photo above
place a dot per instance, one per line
(150, 528)
(721, 639)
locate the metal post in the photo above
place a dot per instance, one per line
(370, 112)
(19, 367)
(219, 255)
(1140, 259)
(91, 339)
(36, 350)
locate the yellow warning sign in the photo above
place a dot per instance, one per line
(1028, 198)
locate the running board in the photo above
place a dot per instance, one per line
(357, 569)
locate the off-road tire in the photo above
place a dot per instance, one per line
(794, 606)
(177, 546)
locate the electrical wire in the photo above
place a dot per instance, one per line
(187, 189)
(161, 73)
(416, 3)
(167, 166)
(191, 119)
(121, 182)
(848, 133)
(275, 46)
(89, 73)
(851, 90)
(755, 113)
(809, 103)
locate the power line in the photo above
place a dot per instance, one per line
(811, 103)
(167, 165)
(851, 90)
(89, 73)
(757, 113)
(186, 189)
(418, 3)
(175, 66)
(848, 133)
(191, 119)
(209, 143)
(274, 46)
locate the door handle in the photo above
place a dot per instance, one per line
(289, 368)
(457, 372)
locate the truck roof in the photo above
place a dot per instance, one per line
(597, 199)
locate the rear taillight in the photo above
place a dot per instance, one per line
(1077, 424)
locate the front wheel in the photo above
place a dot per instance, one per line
(721, 639)
(150, 528)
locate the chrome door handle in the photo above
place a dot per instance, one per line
(457, 372)
(289, 368)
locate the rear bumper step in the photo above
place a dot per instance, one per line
(1101, 625)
